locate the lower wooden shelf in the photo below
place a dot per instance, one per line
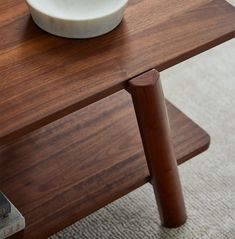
(76, 165)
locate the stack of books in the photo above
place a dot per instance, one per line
(11, 220)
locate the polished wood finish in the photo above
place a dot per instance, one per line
(81, 162)
(43, 78)
(151, 112)
(76, 165)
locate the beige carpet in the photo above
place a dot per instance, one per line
(204, 88)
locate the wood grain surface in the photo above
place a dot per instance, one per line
(152, 116)
(78, 164)
(43, 78)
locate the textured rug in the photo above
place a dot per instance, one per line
(204, 88)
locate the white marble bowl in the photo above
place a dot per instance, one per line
(77, 18)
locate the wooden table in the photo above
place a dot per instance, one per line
(59, 164)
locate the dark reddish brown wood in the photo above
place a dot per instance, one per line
(151, 112)
(76, 165)
(19, 235)
(43, 78)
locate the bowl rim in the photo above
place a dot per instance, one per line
(32, 5)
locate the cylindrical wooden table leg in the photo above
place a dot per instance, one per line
(149, 103)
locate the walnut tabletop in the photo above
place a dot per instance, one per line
(43, 78)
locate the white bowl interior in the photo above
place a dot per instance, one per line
(77, 9)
